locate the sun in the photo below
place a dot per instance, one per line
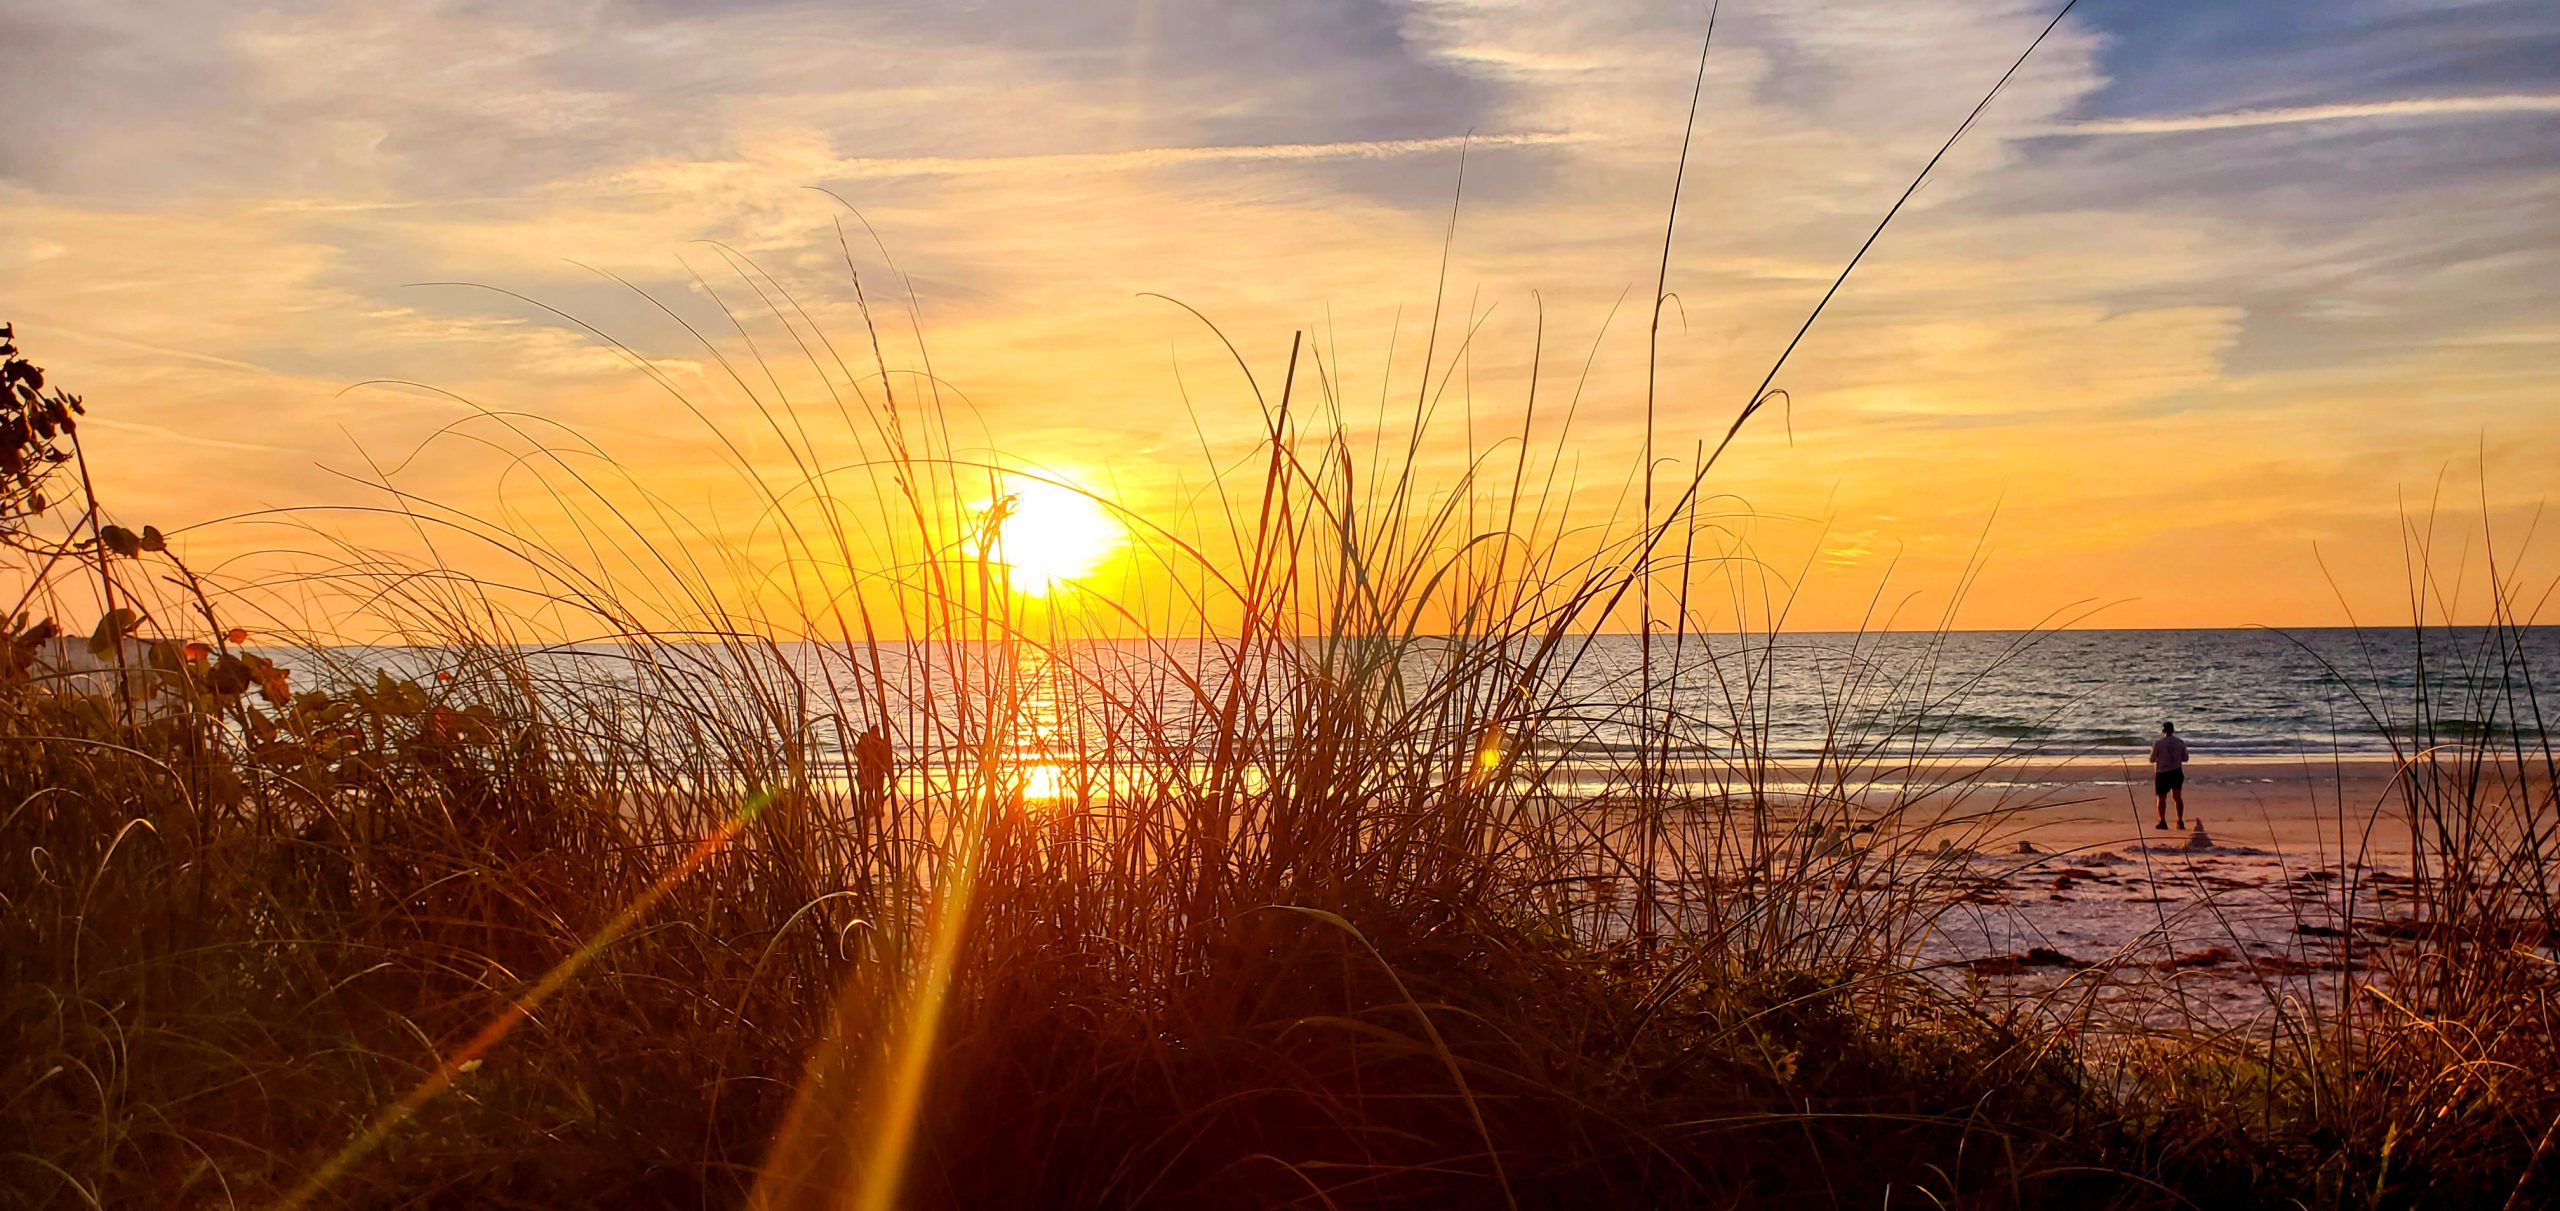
(1047, 535)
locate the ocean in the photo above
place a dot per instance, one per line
(2237, 693)
(2232, 693)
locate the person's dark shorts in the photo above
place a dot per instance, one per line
(2168, 780)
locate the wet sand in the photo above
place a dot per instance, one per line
(2307, 809)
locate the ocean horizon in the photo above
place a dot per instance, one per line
(2245, 693)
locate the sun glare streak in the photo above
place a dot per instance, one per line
(467, 1057)
(891, 1099)
(911, 1047)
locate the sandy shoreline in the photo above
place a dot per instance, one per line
(2052, 891)
(2306, 807)
(2310, 809)
(2282, 889)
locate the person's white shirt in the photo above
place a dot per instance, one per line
(2168, 752)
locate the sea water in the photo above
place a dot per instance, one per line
(1595, 699)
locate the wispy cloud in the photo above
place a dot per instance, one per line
(2241, 119)
(1170, 157)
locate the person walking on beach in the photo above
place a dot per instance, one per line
(2169, 775)
(874, 763)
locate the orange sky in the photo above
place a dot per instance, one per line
(2155, 336)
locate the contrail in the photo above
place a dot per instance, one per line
(2414, 107)
(1167, 157)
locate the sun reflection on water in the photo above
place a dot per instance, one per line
(1045, 782)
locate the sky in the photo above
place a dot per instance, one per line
(2212, 298)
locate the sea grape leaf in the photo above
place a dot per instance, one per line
(228, 676)
(271, 683)
(114, 626)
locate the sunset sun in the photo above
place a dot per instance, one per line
(1047, 534)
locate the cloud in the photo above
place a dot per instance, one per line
(2419, 108)
(1171, 157)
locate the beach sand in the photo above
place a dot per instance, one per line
(2282, 890)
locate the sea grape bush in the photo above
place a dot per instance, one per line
(36, 434)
